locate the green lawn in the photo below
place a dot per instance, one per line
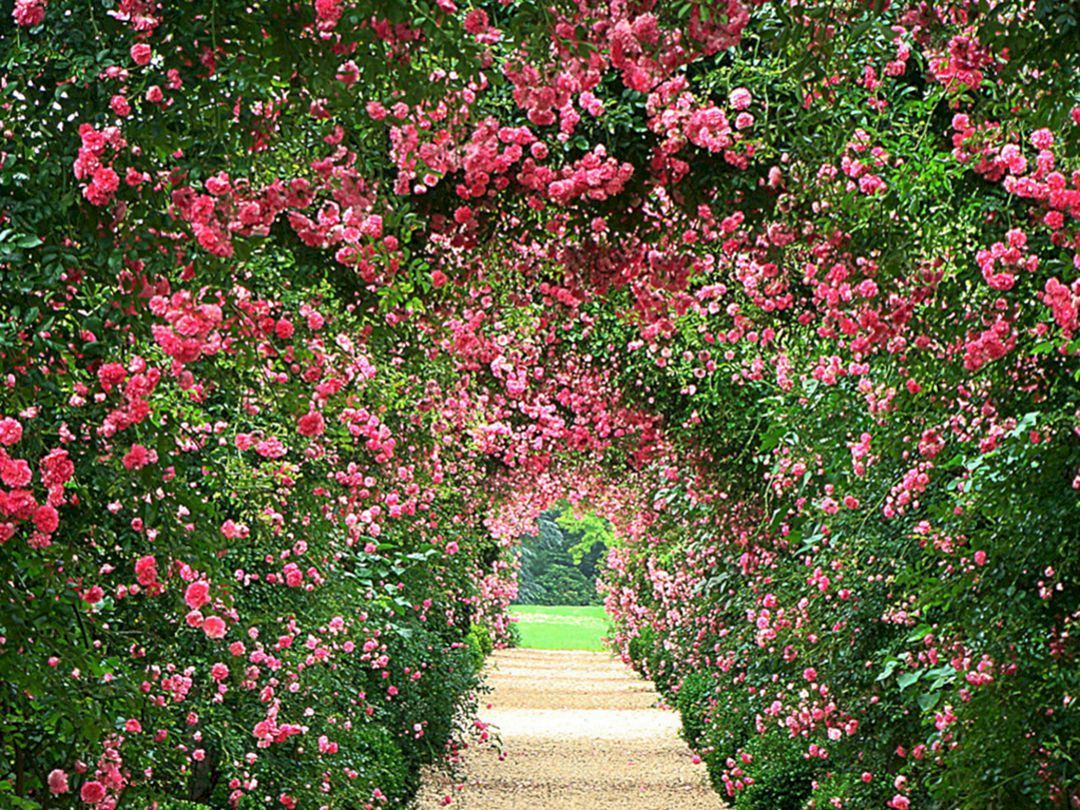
(561, 627)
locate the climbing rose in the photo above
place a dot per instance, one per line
(740, 98)
(15, 473)
(46, 519)
(56, 468)
(197, 594)
(138, 457)
(476, 21)
(102, 186)
(311, 424)
(146, 570)
(92, 792)
(58, 782)
(141, 53)
(29, 12)
(119, 105)
(214, 627)
(10, 431)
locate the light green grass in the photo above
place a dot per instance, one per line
(561, 627)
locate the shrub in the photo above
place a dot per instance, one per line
(781, 773)
(694, 701)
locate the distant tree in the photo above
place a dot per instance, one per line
(559, 562)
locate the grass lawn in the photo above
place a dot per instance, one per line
(561, 627)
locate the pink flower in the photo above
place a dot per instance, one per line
(46, 518)
(138, 457)
(980, 557)
(133, 726)
(29, 13)
(58, 782)
(214, 627)
(10, 431)
(56, 468)
(93, 595)
(740, 98)
(102, 186)
(270, 448)
(476, 21)
(219, 672)
(119, 105)
(92, 792)
(197, 594)
(311, 424)
(141, 53)
(111, 374)
(1042, 138)
(15, 473)
(146, 570)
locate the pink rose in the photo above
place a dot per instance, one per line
(311, 424)
(141, 53)
(46, 518)
(92, 792)
(58, 782)
(197, 594)
(10, 431)
(214, 627)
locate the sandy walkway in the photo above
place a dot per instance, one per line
(580, 732)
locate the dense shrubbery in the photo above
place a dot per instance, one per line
(310, 309)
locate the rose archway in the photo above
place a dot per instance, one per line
(309, 309)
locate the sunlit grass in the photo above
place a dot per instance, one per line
(561, 627)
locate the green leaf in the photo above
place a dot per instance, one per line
(906, 679)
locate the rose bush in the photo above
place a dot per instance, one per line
(309, 310)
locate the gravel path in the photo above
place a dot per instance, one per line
(580, 732)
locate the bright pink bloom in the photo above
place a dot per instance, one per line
(141, 53)
(58, 782)
(146, 572)
(15, 472)
(10, 431)
(46, 519)
(197, 594)
(214, 627)
(311, 424)
(29, 13)
(138, 457)
(92, 792)
(476, 21)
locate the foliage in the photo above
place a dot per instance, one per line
(558, 564)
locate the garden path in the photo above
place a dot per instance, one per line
(580, 732)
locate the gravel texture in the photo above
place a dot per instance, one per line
(579, 732)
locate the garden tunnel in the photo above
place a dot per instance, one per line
(308, 310)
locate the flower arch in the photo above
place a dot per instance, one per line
(309, 308)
